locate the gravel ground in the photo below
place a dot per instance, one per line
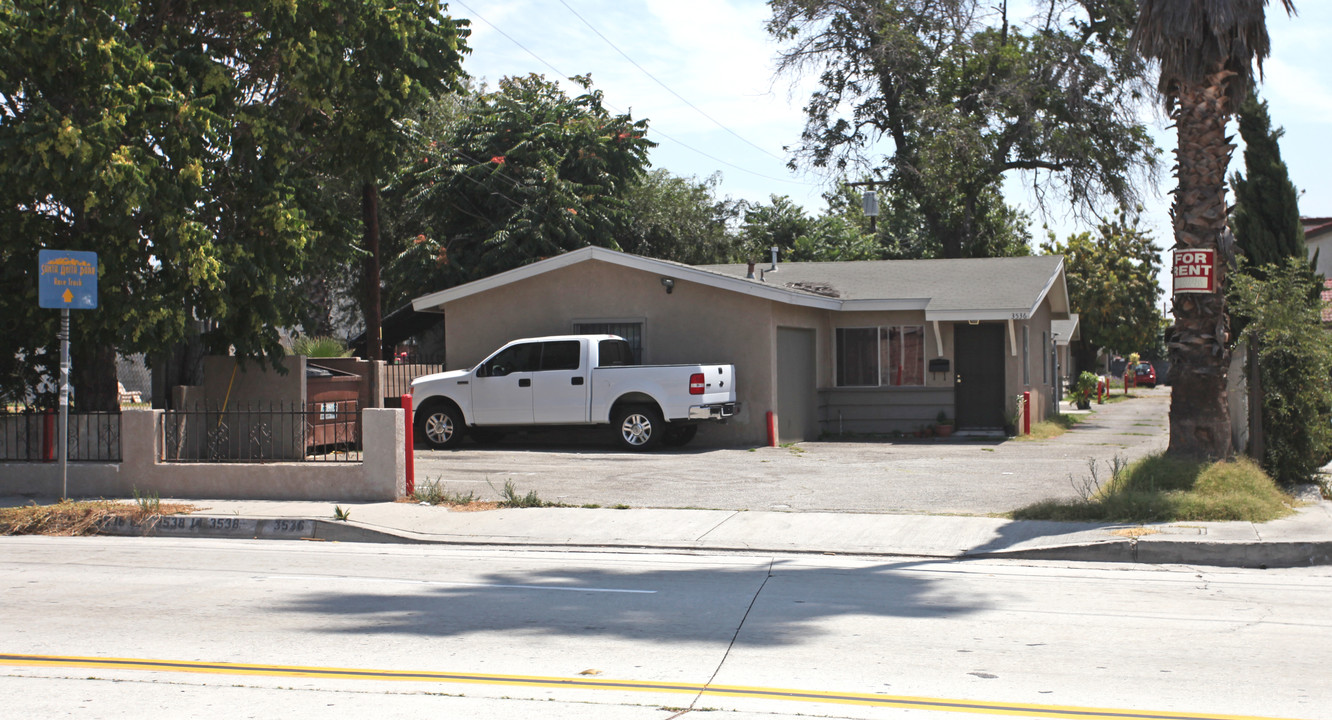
(955, 476)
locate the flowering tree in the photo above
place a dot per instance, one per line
(514, 176)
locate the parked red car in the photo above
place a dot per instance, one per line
(1144, 374)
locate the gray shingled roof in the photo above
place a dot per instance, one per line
(947, 285)
(969, 289)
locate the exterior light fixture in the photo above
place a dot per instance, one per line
(870, 202)
(669, 284)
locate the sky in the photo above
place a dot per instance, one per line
(702, 72)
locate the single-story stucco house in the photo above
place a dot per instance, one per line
(830, 348)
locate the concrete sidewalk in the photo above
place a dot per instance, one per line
(908, 498)
(1300, 540)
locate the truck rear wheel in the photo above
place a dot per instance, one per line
(638, 427)
(441, 425)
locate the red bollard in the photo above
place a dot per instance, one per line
(410, 461)
(1026, 413)
(772, 429)
(48, 436)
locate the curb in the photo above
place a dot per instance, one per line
(242, 528)
(1261, 555)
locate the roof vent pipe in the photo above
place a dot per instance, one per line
(749, 274)
(774, 259)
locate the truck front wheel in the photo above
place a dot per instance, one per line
(638, 427)
(441, 426)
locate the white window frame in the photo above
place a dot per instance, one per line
(1026, 356)
(837, 359)
(880, 340)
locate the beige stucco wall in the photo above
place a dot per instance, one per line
(888, 409)
(380, 476)
(1041, 392)
(700, 323)
(695, 323)
(229, 382)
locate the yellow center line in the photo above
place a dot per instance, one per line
(876, 700)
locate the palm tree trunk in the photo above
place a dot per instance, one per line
(1199, 355)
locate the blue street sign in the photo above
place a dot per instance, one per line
(66, 280)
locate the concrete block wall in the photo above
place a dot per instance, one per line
(380, 476)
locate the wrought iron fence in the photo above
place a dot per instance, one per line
(33, 436)
(320, 432)
(398, 378)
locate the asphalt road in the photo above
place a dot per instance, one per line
(134, 627)
(956, 476)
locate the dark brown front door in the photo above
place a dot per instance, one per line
(979, 377)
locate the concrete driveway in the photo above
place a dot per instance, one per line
(968, 477)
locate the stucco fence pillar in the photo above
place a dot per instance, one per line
(379, 476)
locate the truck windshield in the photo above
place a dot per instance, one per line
(614, 352)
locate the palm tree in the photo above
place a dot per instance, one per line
(1206, 50)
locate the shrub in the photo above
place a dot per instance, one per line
(319, 347)
(1284, 324)
(1165, 489)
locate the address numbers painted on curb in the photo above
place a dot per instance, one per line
(207, 526)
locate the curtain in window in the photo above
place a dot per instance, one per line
(903, 355)
(857, 357)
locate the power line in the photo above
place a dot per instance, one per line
(667, 87)
(681, 143)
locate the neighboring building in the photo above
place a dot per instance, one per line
(1318, 240)
(830, 348)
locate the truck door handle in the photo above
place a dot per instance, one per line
(576, 381)
(525, 382)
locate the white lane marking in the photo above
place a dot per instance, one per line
(447, 583)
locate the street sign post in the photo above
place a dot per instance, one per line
(66, 280)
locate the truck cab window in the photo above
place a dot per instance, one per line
(614, 352)
(560, 355)
(517, 358)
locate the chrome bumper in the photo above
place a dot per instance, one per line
(713, 412)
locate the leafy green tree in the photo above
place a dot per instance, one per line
(186, 144)
(1266, 219)
(1111, 277)
(1268, 231)
(525, 173)
(1294, 361)
(679, 219)
(800, 237)
(1206, 51)
(964, 97)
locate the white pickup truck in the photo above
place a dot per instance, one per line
(573, 380)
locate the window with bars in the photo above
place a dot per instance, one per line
(632, 332)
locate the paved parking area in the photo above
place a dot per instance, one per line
(968, 477)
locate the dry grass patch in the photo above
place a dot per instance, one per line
(1052, 428)
(80, 517)
(1163, 489)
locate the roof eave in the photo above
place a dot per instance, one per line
(437, 300)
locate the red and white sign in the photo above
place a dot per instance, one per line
(1195, 271)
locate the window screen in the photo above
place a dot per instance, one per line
(857, 357)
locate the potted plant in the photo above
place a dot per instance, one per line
(943, 425)
(1083, 390)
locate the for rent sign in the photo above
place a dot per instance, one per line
(1195, 271)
